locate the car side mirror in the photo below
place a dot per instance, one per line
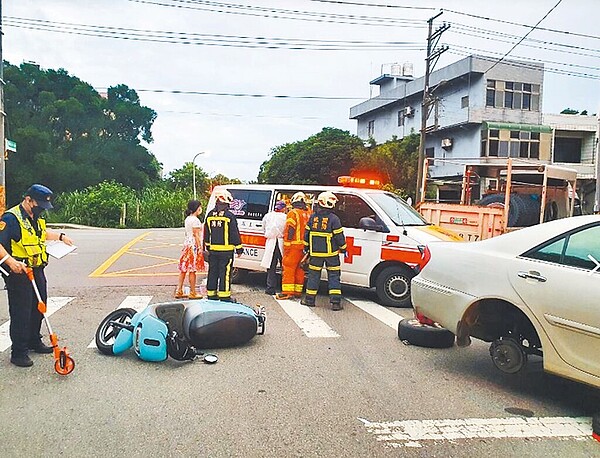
(369, 224)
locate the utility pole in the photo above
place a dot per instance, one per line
(432, 57)
(2, 122)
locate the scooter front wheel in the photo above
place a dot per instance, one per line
(107, 331)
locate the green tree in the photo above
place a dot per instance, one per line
(69, 137)
(319, 159)
(183, 178)
(393, 163)
(219, 179)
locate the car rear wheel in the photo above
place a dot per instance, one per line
(508, 355)
(393, 286)
(423, 335)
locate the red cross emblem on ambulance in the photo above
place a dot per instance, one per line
(351, 250)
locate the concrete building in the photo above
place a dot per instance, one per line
(482, 112)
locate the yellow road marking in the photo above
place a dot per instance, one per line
(99, 272)
(118, 272)
(154, 256)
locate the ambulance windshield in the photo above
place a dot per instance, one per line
(399, 211)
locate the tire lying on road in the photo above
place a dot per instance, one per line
(423, 335)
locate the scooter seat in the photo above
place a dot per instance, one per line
(217, 324)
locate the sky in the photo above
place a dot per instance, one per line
(234, 79)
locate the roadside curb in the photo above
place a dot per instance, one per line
(68, 226)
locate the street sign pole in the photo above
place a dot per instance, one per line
(2, 122)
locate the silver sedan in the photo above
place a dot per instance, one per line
(534, 291)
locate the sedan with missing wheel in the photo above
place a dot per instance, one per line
(534, 291)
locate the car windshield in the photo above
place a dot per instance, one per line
(399, 211)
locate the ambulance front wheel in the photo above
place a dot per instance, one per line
(238, 275)
(393, 286)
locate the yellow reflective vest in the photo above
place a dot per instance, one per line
(31, 248)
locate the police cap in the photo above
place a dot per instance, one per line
(41, 194)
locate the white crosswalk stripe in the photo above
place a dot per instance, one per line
(134, 302)
(420, 433)
(379, 312)
(54, 304)
(307, 320)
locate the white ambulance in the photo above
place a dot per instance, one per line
(385, 235)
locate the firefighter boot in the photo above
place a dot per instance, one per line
(308, 300)
(336, 305)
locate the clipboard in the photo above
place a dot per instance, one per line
(58, 249)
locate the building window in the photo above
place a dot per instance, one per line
(401, 117)
(464, 102)
(513, 95)
(371, 128)
(514, 143)
(567, 150)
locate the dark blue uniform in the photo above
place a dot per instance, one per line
(221, 239)
(324, 239)
(25, 318)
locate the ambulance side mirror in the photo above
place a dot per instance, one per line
(369, 224)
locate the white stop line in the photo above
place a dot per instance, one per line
(418, 433)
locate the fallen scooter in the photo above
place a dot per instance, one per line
(179, 329)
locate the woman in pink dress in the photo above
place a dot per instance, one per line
(191, 260)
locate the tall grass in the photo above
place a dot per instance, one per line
(111, 204)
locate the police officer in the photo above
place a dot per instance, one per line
(23, 234)
(221, 239)
(324, 239)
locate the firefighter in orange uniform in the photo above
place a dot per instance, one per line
(292, 280)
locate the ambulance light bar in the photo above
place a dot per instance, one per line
(357, 182)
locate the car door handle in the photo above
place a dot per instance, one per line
(532, 275)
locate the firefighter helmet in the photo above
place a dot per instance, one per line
(224, 196)
(327, 199)
(299, 197)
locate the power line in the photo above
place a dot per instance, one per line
(530, 66)
(277, 13)
(240, 115)
(375, 5)
(524, 36)
(206, 39)
(478, 50)
(479, 31)
(241, 94)
(584, 35)
(495, 39)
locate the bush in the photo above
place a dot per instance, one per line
(103, 206)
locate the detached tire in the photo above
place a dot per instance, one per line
(106, 332)
(423, 335)
(393, 286)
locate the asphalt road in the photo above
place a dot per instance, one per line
(284, 394)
